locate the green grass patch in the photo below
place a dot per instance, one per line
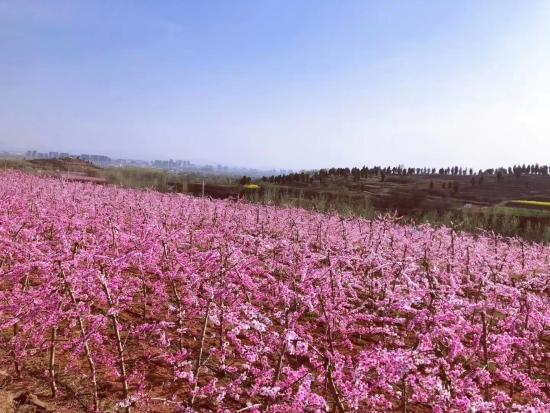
(520, 212)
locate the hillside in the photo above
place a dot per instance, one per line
(137, 300)
(430, 191)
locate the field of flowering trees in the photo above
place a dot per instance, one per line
(127, 300)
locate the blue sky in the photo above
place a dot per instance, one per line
(291, 84)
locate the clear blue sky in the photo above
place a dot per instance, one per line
(291, 84)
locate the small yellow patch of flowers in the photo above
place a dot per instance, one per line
(533, 203)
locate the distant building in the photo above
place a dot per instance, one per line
(101, 160)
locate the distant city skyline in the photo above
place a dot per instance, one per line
(279, 84)
(22, 151)
(53, 154)
(176, 165)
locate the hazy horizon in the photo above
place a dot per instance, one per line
(279, 84)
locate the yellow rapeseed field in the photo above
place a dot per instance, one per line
(541, 204)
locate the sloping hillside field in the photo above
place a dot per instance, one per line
(134, 300)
